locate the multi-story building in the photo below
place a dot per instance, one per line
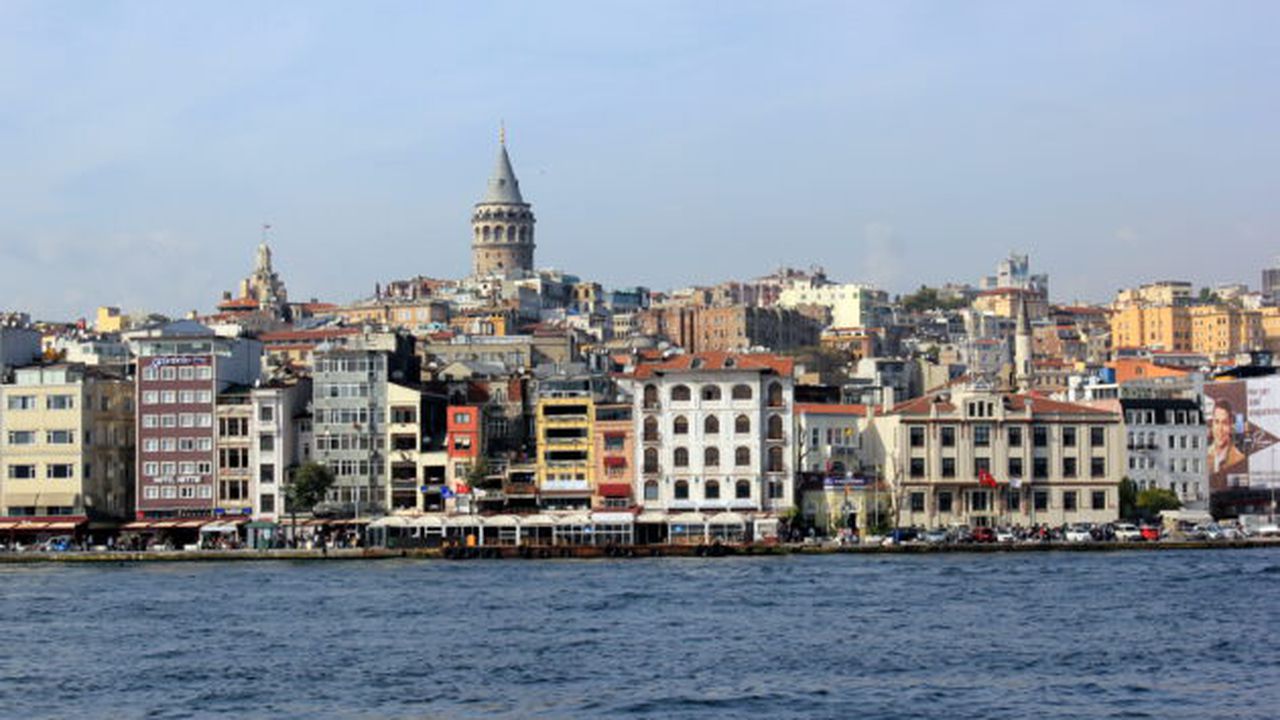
(1221, 330)
(233, 442)
(715, 432)
(416, 458)
(18, 346)
(350, 402)
(829, 438)
(1158, 327)
(852, 305)
(565, 422)
(66, 441)
(1165, 448)
(275, 446)
(1050, 462)
(1164, 292)
(182, 369)
(614, 447)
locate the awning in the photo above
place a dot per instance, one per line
(612, 461)
(189, 524)
(652, 517)
(219, 527)
(502, 521)
(727, 518)
(613, 518)
(615, 435)
(464, 521)
(65, 525)
(616, 490)
(391, 521)
(573, 519)
(436, 521)
(538, 520)
(689, 518)
(32, 526)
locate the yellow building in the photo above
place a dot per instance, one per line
(109, 320)
(1269, 323)
(1158, 327)
(415, 472)
(566, 461)
(67, 439)
(1225, 330)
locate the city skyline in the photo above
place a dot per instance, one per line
(673, 148)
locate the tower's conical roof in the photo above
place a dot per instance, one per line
(503, 186)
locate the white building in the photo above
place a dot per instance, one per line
(715, 433)
(275, 446)
(851, 305)
(829, 438)
(1165, 447)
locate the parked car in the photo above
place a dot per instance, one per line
(936, 536)
(983, 535)
(1128, 532)
(1080, 533)
(1006, 535)
(1150, 532)
(58, 543)
(906, 534)
(961, 534)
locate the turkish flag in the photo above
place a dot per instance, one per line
(985, 479)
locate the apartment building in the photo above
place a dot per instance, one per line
(1165, 448)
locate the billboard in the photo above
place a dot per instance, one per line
(1243, 419)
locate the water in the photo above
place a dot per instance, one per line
(1049, 635)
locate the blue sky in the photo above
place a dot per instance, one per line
(143, 144)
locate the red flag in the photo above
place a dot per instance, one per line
(985, 478)
(463, 489)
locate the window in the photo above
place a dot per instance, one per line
(742, 424)
(1097, 436)
(459, 418)
(916, 433)
(711, 425)
(1040, 436)
(948, 467)
(742, 490)
(917, 502)
(1041, 498)
(1068, 437)
(650, 429)
(775, 395)
(680, 426)
(1097, 467)
(774, 463)
(1069, 500)
(712, 490)
(614, 441)
(980, 500)
(982, 435)
(1040, 468)
(22, 402)
(948, 436)
(266, 413)
(981, 465)
(60, 402)
(651, 490)
(682, 490)
(150, 397)
(775, 427)
(22, 472)
(680, 393)
(651, 460)
(650, 397)
(680, 458)
(1014, 501)
(60, 471)
(267, 503)
(741, 392)
(944, 502)
(1098, 499)
(1015, 436)
(1068, 467)
(150, 373)
(711, 457)
(22, 437)
(59, 437)
(917, 467)
(266, 443)
(1015, 467)
(710, 392)
(742, 456)
(267, 473)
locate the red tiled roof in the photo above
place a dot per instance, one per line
(238, 303)
(830, 409)
(716, 361)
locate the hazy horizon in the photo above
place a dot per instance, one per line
(660, 144)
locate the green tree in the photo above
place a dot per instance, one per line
(309, 485)
(1128, 499)
(1153, 500)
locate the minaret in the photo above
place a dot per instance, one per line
(1023, 372)
(502, 224)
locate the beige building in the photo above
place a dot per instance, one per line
(851, 305)
(1164, 292)
(1051, 462)
(1158, 327)
(67, 443)
(1218, 330)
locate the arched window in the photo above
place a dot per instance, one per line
(651, 490)
(712, 490)
(651, 460)
(742, 424)
(742, 490)
(711, 426)
(680, 426)
(682, 490)
(775, 459)
(741, 392)
(497, 233)
(681, 457)
(650, 397)
(775, 395)
(711, 457)
(710, 392)
(775, 427)
(511, 233)
(651, 429)
(487, 233)
(680, 393)
(742, 456)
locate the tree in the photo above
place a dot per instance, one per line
(309, 485)
(1128, 499)
(1153, 500)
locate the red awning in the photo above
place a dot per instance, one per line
(615, 462)
(615, 436)
(615, 489)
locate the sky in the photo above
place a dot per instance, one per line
(144, 144)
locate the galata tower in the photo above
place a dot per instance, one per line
(502, 224)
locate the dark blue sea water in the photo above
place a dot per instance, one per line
(1029, 635)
